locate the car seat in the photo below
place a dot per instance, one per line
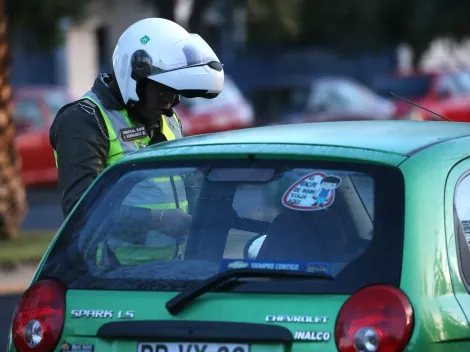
(322, 235)
(292, 236)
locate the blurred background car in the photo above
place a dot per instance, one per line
(229, 111)
(318, 99)
(445, 92)
(34, 109)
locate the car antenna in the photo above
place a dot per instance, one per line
(419, 106)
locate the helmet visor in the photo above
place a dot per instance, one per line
(192, 51)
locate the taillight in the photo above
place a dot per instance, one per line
(375, 319)
(39, 317)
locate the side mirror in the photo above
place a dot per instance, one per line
(253, 246)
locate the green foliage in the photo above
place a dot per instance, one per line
(357, 25)
(273, 21)
(41, 18)
(29, 247)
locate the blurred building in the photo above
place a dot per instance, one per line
(89, 45)
(443, 54)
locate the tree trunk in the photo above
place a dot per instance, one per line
(12, 192)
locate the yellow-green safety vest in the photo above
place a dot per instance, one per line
(156, 193)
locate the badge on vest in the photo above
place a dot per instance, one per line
(132, 133)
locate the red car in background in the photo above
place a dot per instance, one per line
(446, 93)
(36, 107)
(229, 111)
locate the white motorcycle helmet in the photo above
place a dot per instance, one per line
(163, 51)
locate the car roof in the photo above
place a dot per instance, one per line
(400, 137)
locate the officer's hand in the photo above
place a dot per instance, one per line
(173, 222)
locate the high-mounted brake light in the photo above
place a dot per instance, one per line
(377, 318)
(39, 317)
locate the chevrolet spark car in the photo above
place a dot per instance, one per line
(341, 236)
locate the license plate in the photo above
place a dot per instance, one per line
(191, 347)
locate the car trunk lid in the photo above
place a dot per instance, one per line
(238, 318)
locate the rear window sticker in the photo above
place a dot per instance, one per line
(238, 265)
(315, 191)
(323, 268)
(227, 264)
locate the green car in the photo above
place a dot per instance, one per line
(341, 236)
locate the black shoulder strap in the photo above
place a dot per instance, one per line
(91, 108)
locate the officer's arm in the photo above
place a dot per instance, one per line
(81, 148)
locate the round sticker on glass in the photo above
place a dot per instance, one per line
(315, 191)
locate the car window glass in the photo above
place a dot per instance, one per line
(448, 84)
(463, 78)
(462, 206)
(352, 96)
(27, 112)
(321, 97)
(313, 219)
(340, 95)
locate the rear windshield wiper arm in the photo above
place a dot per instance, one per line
(177, 303)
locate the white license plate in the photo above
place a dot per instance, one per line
(191, 347)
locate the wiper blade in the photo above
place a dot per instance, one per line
(177, 303)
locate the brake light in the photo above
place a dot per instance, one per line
(377, 318)
(39, 317)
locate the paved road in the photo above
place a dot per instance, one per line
(7, 307)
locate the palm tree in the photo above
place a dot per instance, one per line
(42, 17)
(12, 193)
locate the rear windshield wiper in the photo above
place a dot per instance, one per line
(177, 303)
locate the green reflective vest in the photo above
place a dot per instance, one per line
(125, 137)
(157, 193)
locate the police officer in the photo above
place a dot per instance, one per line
(154, 62)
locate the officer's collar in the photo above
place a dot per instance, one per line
(109, 93)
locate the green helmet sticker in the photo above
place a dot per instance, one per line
(145, 39)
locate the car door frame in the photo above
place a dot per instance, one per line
(454, 232)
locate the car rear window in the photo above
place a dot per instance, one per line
(345, 220)
(409, 87)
